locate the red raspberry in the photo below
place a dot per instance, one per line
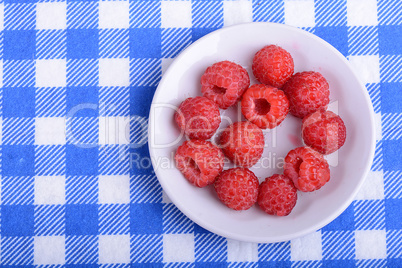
(277, 195)
(307, 168)
(200, 161)
(243, 143)
(237, 188)
(224, 82)
(199, 117)
(324, 131)
(272, 65)
(307, 92)
(264, 105)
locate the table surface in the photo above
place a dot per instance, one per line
(76, 82)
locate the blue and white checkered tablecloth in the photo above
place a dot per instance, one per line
(77, 185)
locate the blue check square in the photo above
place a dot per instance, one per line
(114, 43)
(51, 44)
(210, 248)
(18, 130)
(19, 45)
(19, 73)
(114, 101)
(393, 208)
(82, 44)
(18, 160)
(82, 102)
(141, 39)
(175, 222)
(391, 149)
(272, 11)
(82, 72)
(330, 12)
(24, 96)
(145, 14)
(82, 189)
(17, 190)
(77, 214)
(146, 249)
(388, 12)
(338, 245)
(17, 220)
(50, 160)
(175, 40)
(50, 102)
(114, 219)
(139, 158)
(363, 40)
(208, 14)
(114, 160)
(369, 214)
(81, 161)
(388, 35)
(82, 14)
(82, 250)
(140, 106)
(391, 97)
(146, 218)
(145, 71)
(274, 252)
(337, 36)
(19, 16)
(50, 220)
(145, 189)
(82, 130)
(17, 251)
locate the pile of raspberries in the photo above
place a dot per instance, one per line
(265, 105)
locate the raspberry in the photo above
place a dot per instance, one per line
(199, 117)
(307, 92)
(324, 131)
(200, 161)
(237, 188)
(224, 82)
(307, 168)
(273, 65)
(243, 143)
(277, 195)
(264, 105)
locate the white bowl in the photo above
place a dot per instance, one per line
(349, 165)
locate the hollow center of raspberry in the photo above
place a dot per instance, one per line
(299, 161)
(262, 106)
(192, 165)
(219, 90)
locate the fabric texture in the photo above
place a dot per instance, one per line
(77, 185)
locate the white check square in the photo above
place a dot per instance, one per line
(51, 73)
(178, 248)
(362, 12)
(176, 14)
(235, 12)
(114, 189)
(50, 190)
(114, 249)
(114, 14)
(49, 250)
(294, 16)
(50, 130)
(114, 72)
(51, 15)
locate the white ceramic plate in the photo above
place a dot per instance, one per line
(349, 166)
